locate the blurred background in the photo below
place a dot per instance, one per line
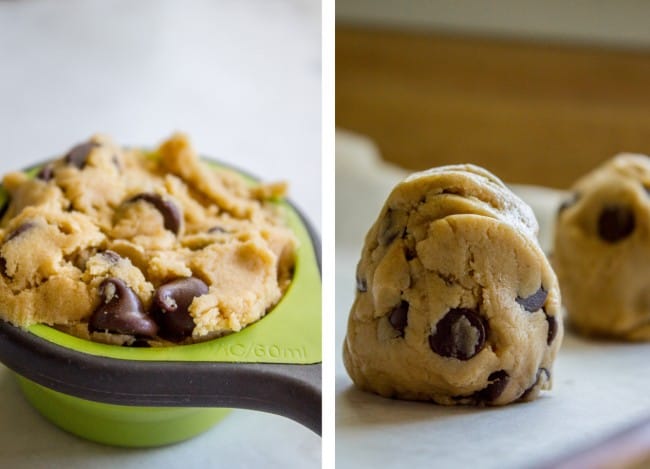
(539, 92)
(241, 77)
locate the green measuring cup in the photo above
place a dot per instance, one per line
(142, 397)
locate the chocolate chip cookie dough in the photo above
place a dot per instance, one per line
(456, 303)
(602, 250)
(141, 248)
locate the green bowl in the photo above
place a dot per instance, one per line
(154, 396)
(120, 425)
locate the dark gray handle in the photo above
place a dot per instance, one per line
(293, 391)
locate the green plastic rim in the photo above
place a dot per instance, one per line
(117, 425)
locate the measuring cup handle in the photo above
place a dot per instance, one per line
(293, 391)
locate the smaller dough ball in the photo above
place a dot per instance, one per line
(456, 303)
(602, 250)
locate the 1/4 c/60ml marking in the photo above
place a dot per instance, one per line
(262, 351)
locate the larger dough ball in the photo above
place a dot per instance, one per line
(456, 302)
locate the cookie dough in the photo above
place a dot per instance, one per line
(602, 250)
(141, 248)
(456, 303)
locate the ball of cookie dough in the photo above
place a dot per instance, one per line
(456, 302)
(602, 250)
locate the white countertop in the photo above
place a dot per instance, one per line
(242, 78)
(599, 387)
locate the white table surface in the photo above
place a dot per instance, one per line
(241, 77)
(599, 387)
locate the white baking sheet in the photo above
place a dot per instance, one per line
(599, 387)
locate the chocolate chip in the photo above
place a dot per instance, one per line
(616, 222)
(567, 203)
(20, 230)
(17, 232)
(460, 334)
(538, 378)
(534, 301)
(390, 228)
(46, 173)
(111, 256)
(398, 317)
(3, 267)
(362, 285)
(170, 307)
(552, 329)
(78, 155)
(168, 210)
(497, 383)
(410, 253)
(121, 311)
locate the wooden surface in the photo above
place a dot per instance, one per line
(531, 113)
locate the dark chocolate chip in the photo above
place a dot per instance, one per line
(535, 301)
(121, 311)
(78, 155)
(14, 234)
(398, 317)
(616, 222)
(168, 210)
(410, 253)
(538, 378)
(497, 383)
(389, 229)
(111, 256)
(460, 334)
(46, 173)
(567, 203)
(20, 230)
(3, 267)
(170, 307)
(552, 329)
(362, 285)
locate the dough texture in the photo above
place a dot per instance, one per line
(602, 250)
(456, 303)
(132, 247)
